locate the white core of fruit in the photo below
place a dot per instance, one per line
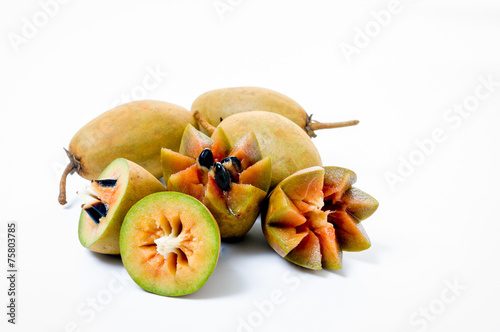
(88, 198)
(168, 244)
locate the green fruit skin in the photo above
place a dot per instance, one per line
(140, 183)
(289, 147)
(136, 131)
(222, 103)
(205, 218)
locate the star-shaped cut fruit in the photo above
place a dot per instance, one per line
(231, 181)
(315, 214)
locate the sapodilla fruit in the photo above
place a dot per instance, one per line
(107, 201)
(219, 104)
(169, 244)
(289, 147)
(231, 181)
(136, 131)
(315, 214)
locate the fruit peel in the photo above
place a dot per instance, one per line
(135, 131)
(288, 145)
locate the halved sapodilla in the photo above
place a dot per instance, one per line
(231, 181)
(169, 244)
(315, 214)
(107, 201)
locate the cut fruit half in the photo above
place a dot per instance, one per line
(315, 214)
(169, 244)
(107, 201)
(231, 181)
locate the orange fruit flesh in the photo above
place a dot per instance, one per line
(193, 180)
(109, 196)
(182, 170)
(133, 182)
(315, 214)
(169, 243)
(193, 142)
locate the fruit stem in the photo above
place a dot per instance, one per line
(70, 169)
(203, 122)
(311, 125)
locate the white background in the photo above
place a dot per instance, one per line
(438, 225)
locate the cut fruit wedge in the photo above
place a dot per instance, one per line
(169, 244)
(119, 186)
(258, 174)
(231, 182)
(314, 215)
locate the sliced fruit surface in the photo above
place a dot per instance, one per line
(170, 244)
(231, 181)
(315, 214)
(107, 201)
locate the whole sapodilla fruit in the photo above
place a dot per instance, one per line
(221, 103)
(136, 131)
(122, 184)
(315, 214)
(289, 147)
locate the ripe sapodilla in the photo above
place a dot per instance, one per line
(136, 131)
(231, 180)
(315, 214)
(169, 244)
(108, 199)
(221, 103)
(289, 147)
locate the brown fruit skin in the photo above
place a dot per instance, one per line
(136, 131)
(222, 103)
(289, 147)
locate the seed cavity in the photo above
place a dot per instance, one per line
(93, 206)
(171, 245)
(233, 165)
(232, 161)
(108, 183)
(225, 172)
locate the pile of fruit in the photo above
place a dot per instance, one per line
(230, 159)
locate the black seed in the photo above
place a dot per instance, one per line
(235, 162)
(96, 211)
(222, 177)
(106, 182)
(206, 158)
